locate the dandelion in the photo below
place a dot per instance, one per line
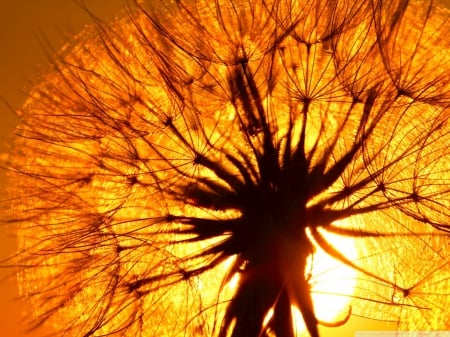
(183, 170)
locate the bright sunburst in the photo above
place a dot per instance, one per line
(235, 168)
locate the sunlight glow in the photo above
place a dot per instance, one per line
(239, 168)
(332, 282)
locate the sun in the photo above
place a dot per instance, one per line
(332, 285)
(234, 168)
(333, 282)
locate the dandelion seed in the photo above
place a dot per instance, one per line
(183, 170)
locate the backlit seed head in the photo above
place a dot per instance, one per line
(181, 170)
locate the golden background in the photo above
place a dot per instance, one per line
(30, 29)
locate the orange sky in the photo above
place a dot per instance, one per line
(26, 25)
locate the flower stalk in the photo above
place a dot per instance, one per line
(180, 168)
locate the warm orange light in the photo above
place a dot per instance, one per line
(332, 282)
(233, 168)
(332, 286)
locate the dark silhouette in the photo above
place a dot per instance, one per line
(176, 172)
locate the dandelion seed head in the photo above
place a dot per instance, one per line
(182, 168)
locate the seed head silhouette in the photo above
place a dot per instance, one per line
(181, 168)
